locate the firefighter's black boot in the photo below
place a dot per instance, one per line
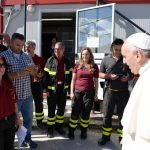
(105, 139)
(50, 131)
(71, 133)
(83, 133)
(60, 129)
(120, 139)
(41, 125)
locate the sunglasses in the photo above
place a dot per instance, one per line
(2, 65)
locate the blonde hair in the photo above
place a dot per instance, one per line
(91, 60)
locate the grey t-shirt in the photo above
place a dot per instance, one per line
(108, 66)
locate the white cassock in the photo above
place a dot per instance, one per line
(136, 117)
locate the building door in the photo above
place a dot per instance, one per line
(62, 26)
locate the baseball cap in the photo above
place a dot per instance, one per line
(140, 40)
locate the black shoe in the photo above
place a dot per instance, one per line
(50, 132)
(41, 125)
(71, 134)
(119, 139)
(61, 131)
(103, 141)
(24, 144)
(32, 144)
(83, 136)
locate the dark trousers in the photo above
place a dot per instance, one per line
(37, 93)
(112, 99)
(7, 133)
(58, 99)
(82, 104)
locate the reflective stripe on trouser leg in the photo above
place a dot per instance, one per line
(51, 121)
(84, 123)
(106, 131)
(59, 119)
(119, 132)
(73, 123)
(39, 116)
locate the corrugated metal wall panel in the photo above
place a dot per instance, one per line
(123, 28)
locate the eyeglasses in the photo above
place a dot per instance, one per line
(2, 65)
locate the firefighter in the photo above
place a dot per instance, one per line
(57, 78)
(116, 92)
(36, 83)
(84, 87)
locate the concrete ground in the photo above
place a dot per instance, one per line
(63, 143)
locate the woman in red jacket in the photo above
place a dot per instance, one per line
(9, 118)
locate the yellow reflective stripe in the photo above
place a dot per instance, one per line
(50, 119)
(46, 69)
(85, 121)
(84, 125)
(49, 71)
(59, 117)
(67, 72)
(39, 114)
(70, 69)
(52, 72)
(39, 118)
(107, 129)
(73, 121)
(119, 135)
(119, 131)
(60, 121)
(50, 123)
(51, 88)
(66, 86)
(72, 125)
(105, 133)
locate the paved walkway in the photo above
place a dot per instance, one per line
(95, 116)
(63, 143)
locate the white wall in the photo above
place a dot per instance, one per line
(33, 25)
(138, 13)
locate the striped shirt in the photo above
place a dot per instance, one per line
(22, 84)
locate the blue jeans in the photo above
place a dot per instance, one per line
(25, 106)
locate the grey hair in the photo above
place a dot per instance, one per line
(61, 44)
(32, 43)
(131, 47)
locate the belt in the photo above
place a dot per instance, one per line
(59, 82)
(114, 90)
(8, 117)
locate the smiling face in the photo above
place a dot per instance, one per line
(59, 50)
(85, 56)
(116, 51)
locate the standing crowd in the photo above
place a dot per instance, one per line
(25, 76)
